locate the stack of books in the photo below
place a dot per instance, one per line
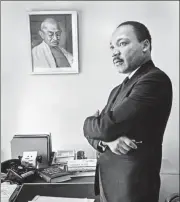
(54, 174)
(63, 156)
(75, 174)
(84, 165)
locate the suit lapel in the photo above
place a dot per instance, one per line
(141, 71)
(113, 98)
(122, 93)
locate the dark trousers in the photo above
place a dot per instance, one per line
(139, 178)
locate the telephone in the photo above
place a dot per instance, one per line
(10, 164)
(15, 172)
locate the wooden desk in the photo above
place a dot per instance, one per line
(82, 187)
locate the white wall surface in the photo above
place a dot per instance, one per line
(60, 103)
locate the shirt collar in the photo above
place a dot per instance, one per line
(132, 73)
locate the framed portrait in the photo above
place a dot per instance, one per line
(53, 42)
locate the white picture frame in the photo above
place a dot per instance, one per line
(53, 51)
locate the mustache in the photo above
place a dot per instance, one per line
(54, 41)
(116, 58)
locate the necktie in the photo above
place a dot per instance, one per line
(125, 81)
(120, 90)
(60, 59)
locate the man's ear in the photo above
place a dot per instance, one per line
(41, 34)
(146, 45)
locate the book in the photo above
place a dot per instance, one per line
(82, 163)
(82, 174)
(81, 168)
(54, 174)
(62, 160)
(63, 156)
(56, 179)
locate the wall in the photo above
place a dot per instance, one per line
(60, 103)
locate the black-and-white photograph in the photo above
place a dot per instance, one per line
(54, 44)
(101, 127)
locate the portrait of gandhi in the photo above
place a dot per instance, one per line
(49, 52)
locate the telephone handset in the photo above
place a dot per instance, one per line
(10, 164)
(16, 172)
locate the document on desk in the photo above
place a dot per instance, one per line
(59, 199)
(6, 191)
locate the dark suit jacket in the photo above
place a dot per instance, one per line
(139, 111)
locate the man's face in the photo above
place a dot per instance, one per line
(51, 34)
(127, 51)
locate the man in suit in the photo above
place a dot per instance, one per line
(129, 131)
(48, 54)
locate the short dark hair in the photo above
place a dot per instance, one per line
(141, 31)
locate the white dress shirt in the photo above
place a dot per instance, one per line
(132, 73)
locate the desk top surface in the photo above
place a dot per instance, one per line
(76, 190)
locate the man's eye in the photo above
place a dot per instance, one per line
(122, 43)
(58, 35)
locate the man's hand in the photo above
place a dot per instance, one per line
(122, 145)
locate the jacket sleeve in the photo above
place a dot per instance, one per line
(147, 93)
(93, 141)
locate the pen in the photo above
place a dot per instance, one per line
(137, 142)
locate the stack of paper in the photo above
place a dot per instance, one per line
(82, 165)
(60, 199)
(62, 156)
(6, 191)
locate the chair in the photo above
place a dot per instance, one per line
(173, 198)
